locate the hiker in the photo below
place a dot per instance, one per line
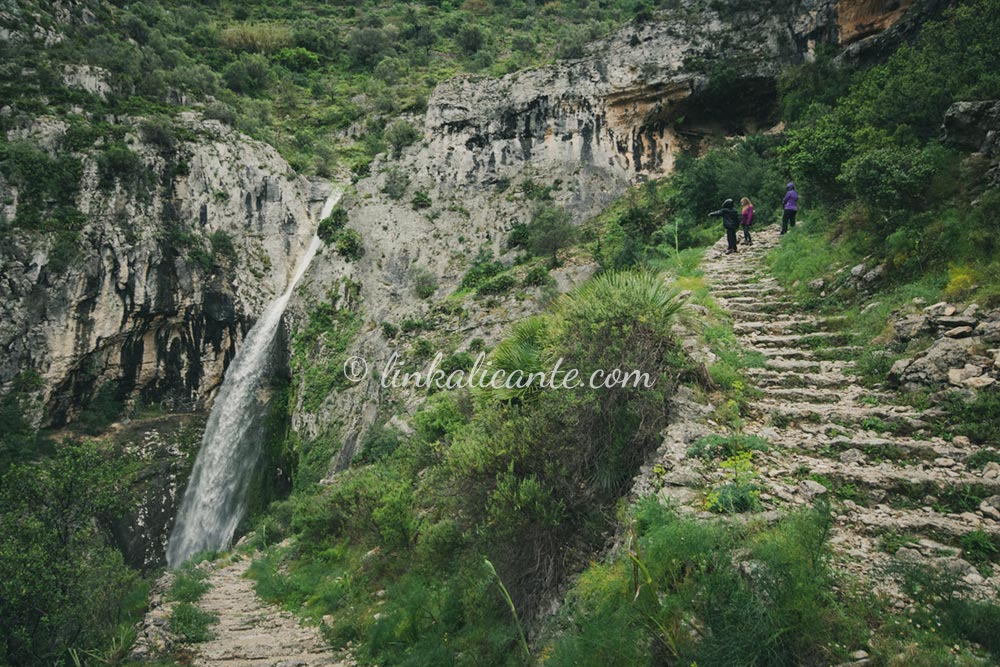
(730, 221)
(746, 219)
(791, 205)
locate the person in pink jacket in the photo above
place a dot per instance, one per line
(746, 219)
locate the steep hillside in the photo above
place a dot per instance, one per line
(162, 170)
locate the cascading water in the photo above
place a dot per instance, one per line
(215, 499)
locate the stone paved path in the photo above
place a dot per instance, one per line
(888, 474)
(250, 631)
(253, 633)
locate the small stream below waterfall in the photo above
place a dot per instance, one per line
(215, 500)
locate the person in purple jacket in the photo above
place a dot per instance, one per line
(791, 204)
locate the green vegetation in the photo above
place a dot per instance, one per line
(332, 224)
(292, 74)
(656, 220)
(878, 176)
(693, 592)
(319, 351)
(425, 283)
(189, 585)
(522, 477)
(190, 623)
(717, 446)
(62, 585)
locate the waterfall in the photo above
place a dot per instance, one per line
(215, 499)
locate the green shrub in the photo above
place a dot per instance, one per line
(297, 59)
(549, 231)
(757, 596)
(483, 268)
(536, 277)
(349, 245)
(380, 442)
(61, 583)
(400, 134)
(740, 493)
(119, 163)
(249, 74)
(396, 183)
(256, 37)
(191, 624)
(424, 283)
(720, 446)
(412, 324)
(64, 252)
(189, 585)
(518, 236)
(421, 200)
(332, 224)
(498, 284)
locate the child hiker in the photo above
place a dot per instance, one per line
(730, 221)
(746, 219)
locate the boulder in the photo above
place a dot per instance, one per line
(989, 330)
(956, 321)
(968, 124)
(852, 456)
(939, 309)
(933, 366)
(980, 382)
(911, 326)
(810, 488)
(959, 332)
(958, 376)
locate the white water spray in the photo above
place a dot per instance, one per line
(215, 499)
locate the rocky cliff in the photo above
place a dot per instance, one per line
(172, 262)
(579, 131)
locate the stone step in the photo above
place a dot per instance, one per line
(788, 325)
(746, 292)
(807, 340)
(801, 395)
(832, 440)
(766, 377)
(751, 279)
(768, 305)
(881, 520)
(781, 364)
(853, 395)
(888, 417)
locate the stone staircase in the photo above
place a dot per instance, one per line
(875, 457)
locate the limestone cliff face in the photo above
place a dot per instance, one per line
(858, 19)
(582, 130)
(144, 307)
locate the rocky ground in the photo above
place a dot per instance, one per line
(892, 483)
(249, 633)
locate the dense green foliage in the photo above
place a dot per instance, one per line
(657, 219)
(521, 476)
(690, 592)
(874, 154)
(290, 73)
(62, 586)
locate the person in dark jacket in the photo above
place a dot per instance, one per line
(730, 221)
(746, 219)
(791, 206)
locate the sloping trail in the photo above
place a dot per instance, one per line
(887, 473)
(250, 632)
(253, 633)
